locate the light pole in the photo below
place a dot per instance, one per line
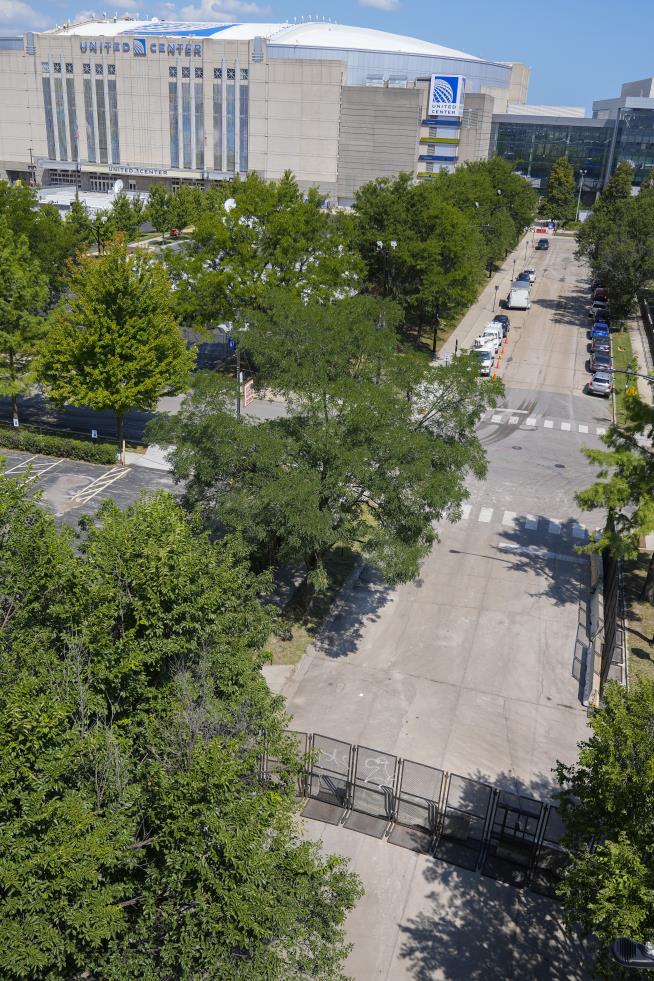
(582, 174)
(497, 286)
(384, 254)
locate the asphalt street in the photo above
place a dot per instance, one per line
(476, 667)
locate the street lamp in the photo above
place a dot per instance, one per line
(384, 254)
(582, 174)
(436, 324)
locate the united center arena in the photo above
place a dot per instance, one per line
(157, 101)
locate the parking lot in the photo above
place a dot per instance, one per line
(70, 488)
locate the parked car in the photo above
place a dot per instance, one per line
(542, 244)
(530, 272)
(631, 954)
(486, 357)
(599, 361)
(600, 294)
(600, 384)
(602, 318)
(599, 330)
(524, 277)
(600, 343)
(504, 322)
(491, 336)
(597, 306)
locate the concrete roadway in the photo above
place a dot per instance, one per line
(475, 667)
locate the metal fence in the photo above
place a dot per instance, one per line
(613, 648)
(465, 822)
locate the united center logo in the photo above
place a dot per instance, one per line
(443, 91)
(139, 47)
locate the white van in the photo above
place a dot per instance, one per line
(486, 358)
(492, 335)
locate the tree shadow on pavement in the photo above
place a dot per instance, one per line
(471, 927)
(358, 607)
(563, 574)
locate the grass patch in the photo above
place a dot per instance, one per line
(640, 615)
(622, 355)
(302, 620)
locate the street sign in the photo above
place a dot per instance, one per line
(15, 422)
(231, 344)
(448, 358)
(94, 434)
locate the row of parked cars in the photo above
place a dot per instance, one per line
(490, 340)
(600, 363)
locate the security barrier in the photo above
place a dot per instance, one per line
(464, 822)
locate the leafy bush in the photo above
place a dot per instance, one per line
(73, 449)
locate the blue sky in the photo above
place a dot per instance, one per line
(578, 51)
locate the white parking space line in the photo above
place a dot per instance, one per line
(531, 421)
(485, 514)
(99, 484)
(508, 518)
(600, 431)
(497, 418)
(583, 428)
(548, 424)
(465, 511)
(531, 522)
(554, 527)
(513, 420)
(565, 426)
(43, 470)
(578, 531)
(20, 466)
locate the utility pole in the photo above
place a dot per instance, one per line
(582, 174)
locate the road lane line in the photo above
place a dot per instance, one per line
(600, 431)
(508, 518)
(21, 466)
(513, 420)
(485, 514)
(583, 428)
(39, 473)
(531, 421)
(565, 426)
(497, 418)
(548, 424)
(536, 551)
(99, 484)
(531, 522)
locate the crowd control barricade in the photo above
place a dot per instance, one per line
(372, 792)
(417, 806)
(328, 779)
(273, 769)
(551, 858)
(467, 812)
(513, 838)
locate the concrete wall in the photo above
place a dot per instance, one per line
(379, 135)
(475, 131)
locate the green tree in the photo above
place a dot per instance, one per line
(79, 220)
(102, 229)
(126, 215)
(376, 446)
(140, 838)
(158, 209)
(23, 299)
(113, 342)
(607, 802)
(560, 196)
(624, 489)
(618, 187)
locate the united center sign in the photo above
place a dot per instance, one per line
(139, 47)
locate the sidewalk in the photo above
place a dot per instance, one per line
(641, 349)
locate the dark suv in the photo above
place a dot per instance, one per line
(543, 244)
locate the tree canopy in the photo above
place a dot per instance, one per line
(113, 341)
(607, 802)
(140, 838)
(375, 448)
(560, 195)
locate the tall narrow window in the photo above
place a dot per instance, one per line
(72, 119)
(113, 120)
(186, 124)
(231, 124)
(90, 124)
(174, 124)
(49, 121)
(243, 127)
(102, 119)
(218, 124)
(61, 118)
(199, 126)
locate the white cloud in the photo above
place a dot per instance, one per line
(387, 5)
(19, 15)
(223, 10)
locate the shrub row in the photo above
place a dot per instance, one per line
(72, 449)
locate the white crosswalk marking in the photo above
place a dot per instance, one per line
(513, 420)
(531, 522)
(578, 531)
(508, 518)
(465, 512)
(583, 428)
(565, 426)
(554, 527)
(531, 421)
(548, 424)
(497, 418)
(600, 431)
(485, 514)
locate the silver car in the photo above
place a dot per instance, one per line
(600, 384)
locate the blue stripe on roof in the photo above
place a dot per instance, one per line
(183, 29)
